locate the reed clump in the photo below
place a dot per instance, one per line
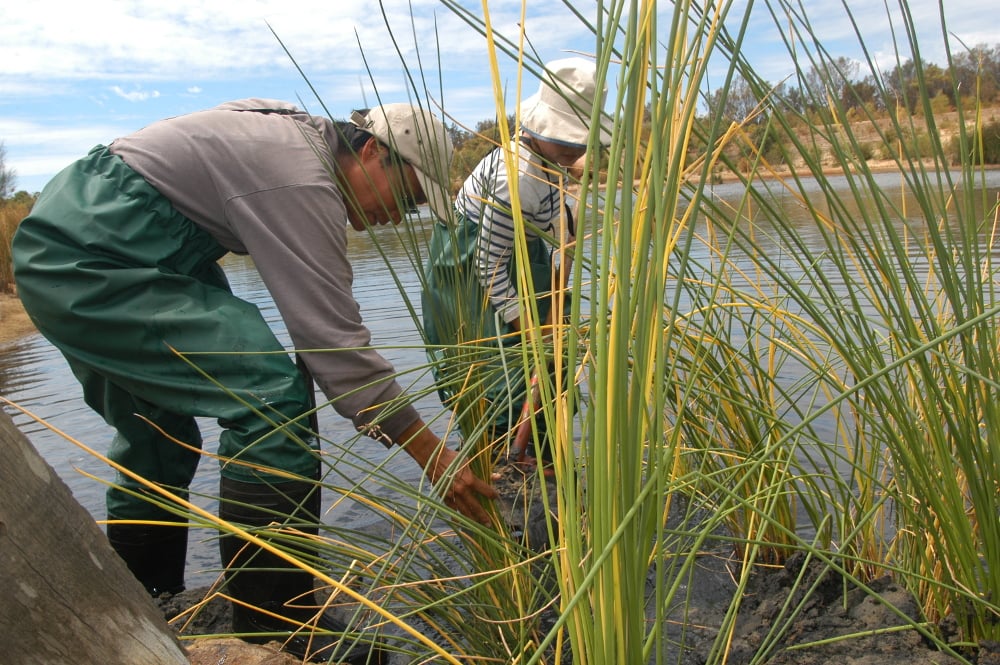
(11, 214)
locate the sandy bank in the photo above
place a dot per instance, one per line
(14, 322)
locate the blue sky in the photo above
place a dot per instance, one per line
(78, 74)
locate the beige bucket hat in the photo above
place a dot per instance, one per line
(560, 111)
(421, 140)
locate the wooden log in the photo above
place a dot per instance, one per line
(65, 596)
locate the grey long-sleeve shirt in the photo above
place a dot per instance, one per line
(261, 184)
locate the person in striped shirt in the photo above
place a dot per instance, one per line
(470, 294)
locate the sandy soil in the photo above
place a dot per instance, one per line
(14, 322)
(829, 609)
(832, 611)
(784, 171)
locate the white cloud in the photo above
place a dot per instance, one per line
(135, 95)
(849, 29)
(37, 151)
(18, 133)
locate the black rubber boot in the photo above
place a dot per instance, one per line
(262, 580)
(155, 554)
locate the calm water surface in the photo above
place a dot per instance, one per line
(35, 376)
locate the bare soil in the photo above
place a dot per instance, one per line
(833, 623)
(836, 625)
(14, 321)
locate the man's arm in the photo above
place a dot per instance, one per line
(465, 491)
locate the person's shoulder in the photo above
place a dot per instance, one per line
(530, 168)
(529, 159)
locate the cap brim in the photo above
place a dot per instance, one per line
(438, 199)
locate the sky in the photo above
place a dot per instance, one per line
(77, 74)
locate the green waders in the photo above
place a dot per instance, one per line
(456, 311)
(116, 278)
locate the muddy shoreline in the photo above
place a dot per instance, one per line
(827, 619)
(835, 623)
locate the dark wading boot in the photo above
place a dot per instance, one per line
(155, 554)
(265, 581)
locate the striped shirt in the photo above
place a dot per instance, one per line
(486, 197)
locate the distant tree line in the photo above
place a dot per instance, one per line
(832, 92)
(8, 177)
(13, 207)
(914, 88)
(472, 145)
(904, 88)
(8, 183)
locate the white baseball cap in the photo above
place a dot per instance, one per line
(560, 110)
(421, 140)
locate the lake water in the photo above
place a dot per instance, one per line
(35, 376)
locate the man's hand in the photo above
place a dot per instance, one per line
(466, 491)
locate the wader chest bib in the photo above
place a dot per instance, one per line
(116, 278)
(457, 311)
